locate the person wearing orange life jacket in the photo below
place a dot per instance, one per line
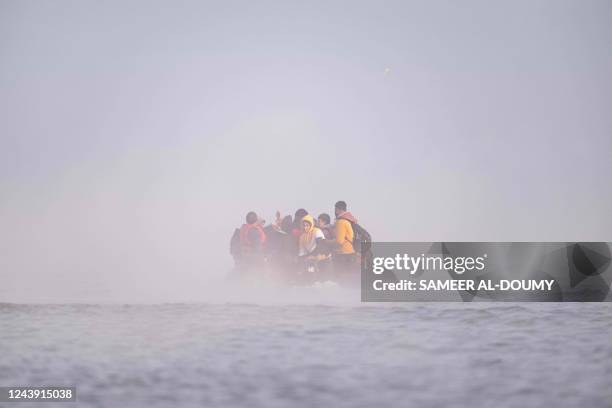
(248, 243)
(252, 235)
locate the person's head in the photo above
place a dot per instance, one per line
(299, 214)
(286, 224)
(251, 217)
(339, 208)
(307, 223)
(324, 220)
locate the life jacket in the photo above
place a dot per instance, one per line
(244, 235)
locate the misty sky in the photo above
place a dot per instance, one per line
(134, 136)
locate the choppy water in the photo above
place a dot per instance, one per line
(424, 355)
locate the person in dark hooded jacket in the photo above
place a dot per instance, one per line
(324, 223)
(297, 222)
(282, 244)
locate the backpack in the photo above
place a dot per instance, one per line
(362, 240)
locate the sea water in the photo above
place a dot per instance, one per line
(306, 355)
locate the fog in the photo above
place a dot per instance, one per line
(135, 136)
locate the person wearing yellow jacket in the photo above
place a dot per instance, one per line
(344, 235)
(307, 243)
(344, 258)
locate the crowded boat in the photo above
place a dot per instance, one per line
(301, 249)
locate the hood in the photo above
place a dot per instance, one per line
(308, 218)
(348, 216)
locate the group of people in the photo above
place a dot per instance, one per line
(301, 248)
